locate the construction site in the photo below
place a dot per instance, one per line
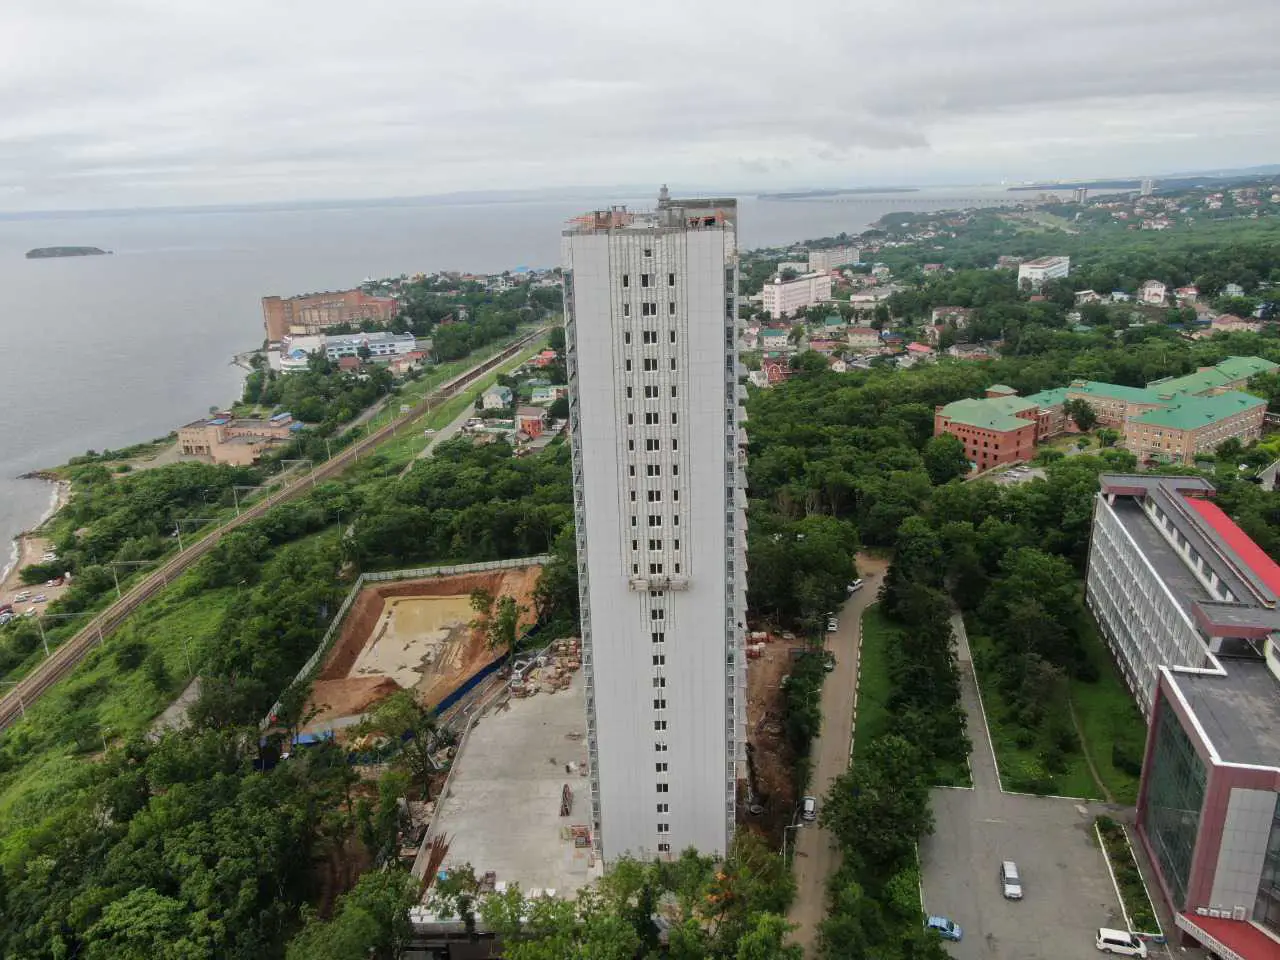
(517, 802)
(421, 635)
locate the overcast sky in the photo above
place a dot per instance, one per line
(107, 103)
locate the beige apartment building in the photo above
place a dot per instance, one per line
(236, 441)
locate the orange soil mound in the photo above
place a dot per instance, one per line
(348, 696)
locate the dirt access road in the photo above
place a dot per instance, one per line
(816, 854)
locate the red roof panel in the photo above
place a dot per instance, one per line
(1254, 557)
(1246, 939)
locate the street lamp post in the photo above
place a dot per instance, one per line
(794, 826)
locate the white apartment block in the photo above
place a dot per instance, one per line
(832, 257)
(1033, 273)
(658, 468)
(783, 298)
(1171, 580)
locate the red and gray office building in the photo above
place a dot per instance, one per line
(1188, 604)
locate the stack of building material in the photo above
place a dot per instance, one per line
(581, 834)
(566, 801)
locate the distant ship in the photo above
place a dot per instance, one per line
(44, 253)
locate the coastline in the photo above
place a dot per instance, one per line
(28, 547)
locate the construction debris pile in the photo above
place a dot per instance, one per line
(549, 672)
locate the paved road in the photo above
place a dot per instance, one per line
(816, 854)
(1068, 893)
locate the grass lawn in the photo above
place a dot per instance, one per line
(873, 678)
(1019, 766)
(874, 691)
(1107, 713)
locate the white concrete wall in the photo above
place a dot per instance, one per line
(698, 745)
(1245, 834)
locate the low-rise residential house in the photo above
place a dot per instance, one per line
(545, 359)
(758, 378)
(1008, 263)
(836, 365)
(833, 324)
(1186, 294)
(775, 338)
(933, 268)
(406, 362)
(1087, 296)
(496, 397)
(531, 421)
(234, 440)
(1230, 323)
(1233, 290)
(935, 332)
(823, 345)
(776, 371)
(349, 364)
(548, 394)
(1032, 274)
(1119, 296)
(958, 317)
(916, 353)
(862, 338)
(1152, 292)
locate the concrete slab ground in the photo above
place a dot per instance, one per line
(1067, 891)
(503, 808)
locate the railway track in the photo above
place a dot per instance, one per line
(67, 657)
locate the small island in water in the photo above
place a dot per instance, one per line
(42, 253)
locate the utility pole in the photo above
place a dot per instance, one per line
(21, 705)
(177, 527)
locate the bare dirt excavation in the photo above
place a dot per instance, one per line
(414, 635)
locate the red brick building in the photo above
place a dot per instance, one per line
(314, 312)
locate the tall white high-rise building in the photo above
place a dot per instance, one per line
(651, 306)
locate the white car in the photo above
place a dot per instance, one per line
(855, 586)
(833, 626)
(39, 598)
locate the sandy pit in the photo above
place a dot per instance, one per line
(413, 635)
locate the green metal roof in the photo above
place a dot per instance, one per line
(1237, 367)
(1049, 398)
(1001, 388)
(1228, 371)
(1116, 391)
(1189, 412)
(989, 413)
(835, 320)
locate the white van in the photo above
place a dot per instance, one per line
(1121, 942)
(809, 809)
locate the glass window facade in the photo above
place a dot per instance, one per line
(1175, 796)
(1267, 910)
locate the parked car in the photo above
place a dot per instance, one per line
(855, 586)
(828, 661)
(833, 625)
(809, 809)
(946, 929)
(1121, 942)
(1010, 880)
(39, 598)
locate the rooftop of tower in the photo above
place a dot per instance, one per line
(689, 214)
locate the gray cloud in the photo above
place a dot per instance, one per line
(122, 102)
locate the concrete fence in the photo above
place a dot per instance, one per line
(415, 573)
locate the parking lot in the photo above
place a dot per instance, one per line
(1067, 893)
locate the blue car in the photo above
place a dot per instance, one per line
(946, 929)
